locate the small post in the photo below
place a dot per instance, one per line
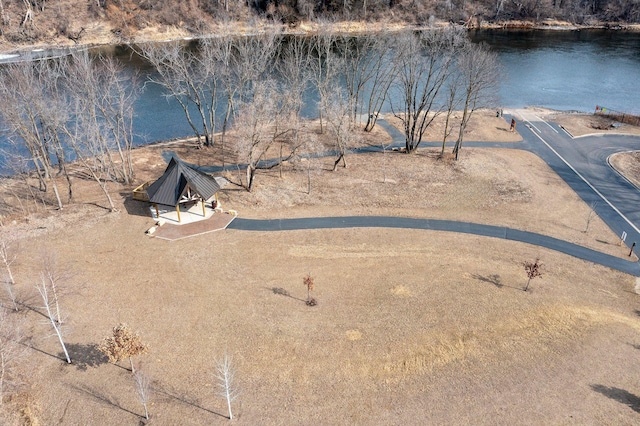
(631, 251)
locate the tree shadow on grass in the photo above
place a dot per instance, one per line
(283, 292)
(100, 396)
(176, 395)
(619, 395)
(30, 346)
(492, 279)
(85, 356)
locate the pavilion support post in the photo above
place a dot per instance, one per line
(203, 212)
(157, 211)
(178, 211)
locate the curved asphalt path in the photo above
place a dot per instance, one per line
(580, 252)
(581, 162)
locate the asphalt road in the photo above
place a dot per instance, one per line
(582, 164)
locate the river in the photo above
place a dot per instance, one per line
(568, 70)
(558, 69)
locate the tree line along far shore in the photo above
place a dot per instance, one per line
(38, 21)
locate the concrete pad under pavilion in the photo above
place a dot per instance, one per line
(170, 214)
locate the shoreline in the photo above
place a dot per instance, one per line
(104, 37)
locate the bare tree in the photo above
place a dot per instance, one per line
(4, 17)
(338, 119)
(17, 162)
(226, 382)
(479, 73)
(33, 114)
(57, 279)
(8, 256)
(123, 343)
(452, 102)
(308, 159)
(533, 270)
(253, 60)
(101, 97)
(425, 63)
(143, 389)
(293, 66)
(325, 67)
(190, 77)
(384, 67)
(260, 123)
(28, 14)
(44, 289)
(71, 105)
(590, 216)
(358, 61)
(244, 60)
(12, 349)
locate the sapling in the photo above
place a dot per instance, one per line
(143, 389)
(56, 322)
(309, 283)
(8, 256)
(533, 270)
(124, 343)
(225, 380)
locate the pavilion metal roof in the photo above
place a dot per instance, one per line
(171, 185)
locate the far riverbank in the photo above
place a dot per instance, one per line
(101, 34)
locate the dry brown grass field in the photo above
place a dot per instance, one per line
(412, 327)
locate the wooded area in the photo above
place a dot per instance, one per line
(39, 21)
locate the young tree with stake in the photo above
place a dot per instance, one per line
(310, 284)
(533, 270)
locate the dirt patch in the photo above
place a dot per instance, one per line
(628, 165)
(484, 126)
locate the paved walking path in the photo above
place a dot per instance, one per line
(571, 249)
(583, 166)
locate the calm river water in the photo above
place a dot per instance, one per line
(564, 70)
(568, 70)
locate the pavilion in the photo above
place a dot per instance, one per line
(182, 185)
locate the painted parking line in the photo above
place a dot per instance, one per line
(588, 183)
